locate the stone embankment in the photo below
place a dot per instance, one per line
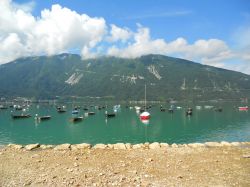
(147, 145)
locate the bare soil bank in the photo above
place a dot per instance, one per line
(182, 166)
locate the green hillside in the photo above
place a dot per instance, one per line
(122, 79)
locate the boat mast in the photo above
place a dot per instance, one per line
(145, 97)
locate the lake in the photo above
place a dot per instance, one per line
(204, 125)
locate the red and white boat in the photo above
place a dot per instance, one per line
(243, 108)
(145, 115)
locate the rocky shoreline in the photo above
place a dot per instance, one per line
(147, 145)
(124, 164)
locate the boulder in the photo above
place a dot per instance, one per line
(223, 143)
(128, 145)
(146, 145)
(119, 146)
(174, 145)
(100, 146)
(62, 147)
(235, 143)
(164, 145)
(154, 145)
(110, 146)
(32, 146)
(213, 144)
(15, 146)
(195, 145)
(82, 146)
(137, 146)
(46, 146)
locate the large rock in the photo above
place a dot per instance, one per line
(154, 145)
(46, 146)
(119, 146)
(223, 143)
(15, 146)
(137, 146)
(32, 146)
(195, 145)
(81, 146)
(62, 147)
(235, 143)
(146, 145)
(213, 144)
(174, 145)
(164, 145)
(100, 146)
(110, 146)
(128, 145)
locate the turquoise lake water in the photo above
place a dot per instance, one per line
(204, 125)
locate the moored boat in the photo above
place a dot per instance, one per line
(75, 112)
(76, 119)
(243, 108)
(2, 107)
(189, 112)
(109, 115)
(145, 115)
(91, 113)
(61, 109)
(219, 109)
(42, 118)
(14, 116)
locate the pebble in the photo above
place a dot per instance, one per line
(150, 160)
(75, 164)
(246, 156)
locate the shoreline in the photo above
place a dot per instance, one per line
(123, 146)
(155, 164)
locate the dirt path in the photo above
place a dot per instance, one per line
(185, 166)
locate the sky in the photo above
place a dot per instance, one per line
(211, 32)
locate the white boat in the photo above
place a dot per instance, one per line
(208, 107)
(198, 107)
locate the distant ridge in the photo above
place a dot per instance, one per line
(45, 77)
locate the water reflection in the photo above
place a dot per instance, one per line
(145, 121)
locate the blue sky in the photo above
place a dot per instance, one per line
(213, 32)
(192, 19)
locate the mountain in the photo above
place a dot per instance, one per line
(119, 78)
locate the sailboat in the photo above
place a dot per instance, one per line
(145, 115)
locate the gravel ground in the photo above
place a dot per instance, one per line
(183, 166)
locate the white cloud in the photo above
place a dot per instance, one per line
(60, 29)
(117, 33)
(211, 52)
(55, 31)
